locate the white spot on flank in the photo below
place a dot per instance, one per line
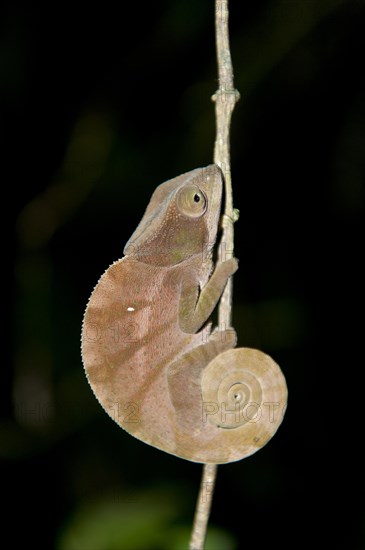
(130, 308)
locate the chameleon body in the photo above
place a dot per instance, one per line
(147, 341)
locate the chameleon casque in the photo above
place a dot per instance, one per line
(148, 350)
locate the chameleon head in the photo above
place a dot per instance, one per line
(181, 219)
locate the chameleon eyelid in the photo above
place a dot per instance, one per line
(188, 205)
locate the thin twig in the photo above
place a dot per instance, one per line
(225, 99)
(203, 507)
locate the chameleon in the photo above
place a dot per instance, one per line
(149, 351)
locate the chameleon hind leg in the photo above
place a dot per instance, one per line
(184, 378)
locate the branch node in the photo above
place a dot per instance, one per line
(227, 220)
(223, 93)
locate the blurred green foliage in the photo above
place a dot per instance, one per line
(149, 520)
(97, 109)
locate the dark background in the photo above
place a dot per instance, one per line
(98, 106)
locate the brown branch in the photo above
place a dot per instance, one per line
(203, 507)
(225, 99)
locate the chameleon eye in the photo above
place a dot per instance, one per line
(191, 201)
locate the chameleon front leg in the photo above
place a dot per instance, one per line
(195, 308)
(184, 379)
